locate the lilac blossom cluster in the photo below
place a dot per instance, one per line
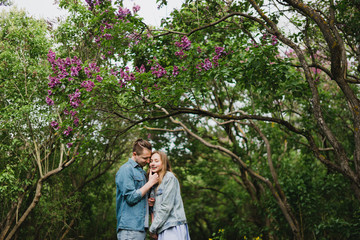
(122, 13)
(158, 70)
(93, 3)
(60, 66)
(184, 45)
(207, 64)
(124, 76)
(141, 69)
(136, 8)
(75, 99)
(106, 34)
(175, 71)
(135, 38)
(68, 131)
(64, 72)
(265, 38)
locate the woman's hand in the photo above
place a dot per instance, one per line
(153, 235)
(151, 201)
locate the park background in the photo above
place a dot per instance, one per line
(255, 102)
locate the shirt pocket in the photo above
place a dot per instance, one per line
(159, 192)
(139, 182)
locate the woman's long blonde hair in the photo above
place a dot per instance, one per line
(165, 165)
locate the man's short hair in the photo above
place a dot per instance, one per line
(140, 144)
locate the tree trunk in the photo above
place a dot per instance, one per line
(28, 210)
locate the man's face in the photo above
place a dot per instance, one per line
(143, 158)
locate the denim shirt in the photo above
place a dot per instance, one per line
(130, 206)
(168, 208)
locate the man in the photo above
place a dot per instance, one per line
(132, 211)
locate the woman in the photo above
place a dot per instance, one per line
(169, 220)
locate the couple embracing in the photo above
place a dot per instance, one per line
(140, 195)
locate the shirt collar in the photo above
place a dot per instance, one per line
(133, 163)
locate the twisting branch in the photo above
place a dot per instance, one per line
(274, 174)
(165, 130)
(167, 31)
(293, 224)
(37, 195)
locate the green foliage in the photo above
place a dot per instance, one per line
(23, 67)
(225, 82)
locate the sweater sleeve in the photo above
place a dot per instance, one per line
(165, 207)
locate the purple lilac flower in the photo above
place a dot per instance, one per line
(136, 8)
(207, 65)
(108, 36)
(73, 113)
(97, 40)
(219, 50)
(54, 81)
(49, 101)
(198, 67)
(54, 124)
(112, 72)
(185, 43)
(179, 53)
(67, 131)
(50, 92)
(122, 83)
(274, 40)
(141, 69)
(51, 56)
(76, 121)
(127, 75)
(99, 78)
(108, 26)
(89, 85)
(130, 77)
(74, 71)
(215, 60)
(175, 71)
(76, 61)
(69, 145)
(67, 61)
(75, 98)
(61, 76)
(158, 70)
(93, 67)
(123, 12)
(87, 72)
(93, 3)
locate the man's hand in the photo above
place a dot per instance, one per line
(153, 177)
(153, 235)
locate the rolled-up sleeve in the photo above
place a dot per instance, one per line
(127, 187)
(163, 211)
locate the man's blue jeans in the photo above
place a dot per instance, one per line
(131, 235)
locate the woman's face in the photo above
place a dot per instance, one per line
(155, 163)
